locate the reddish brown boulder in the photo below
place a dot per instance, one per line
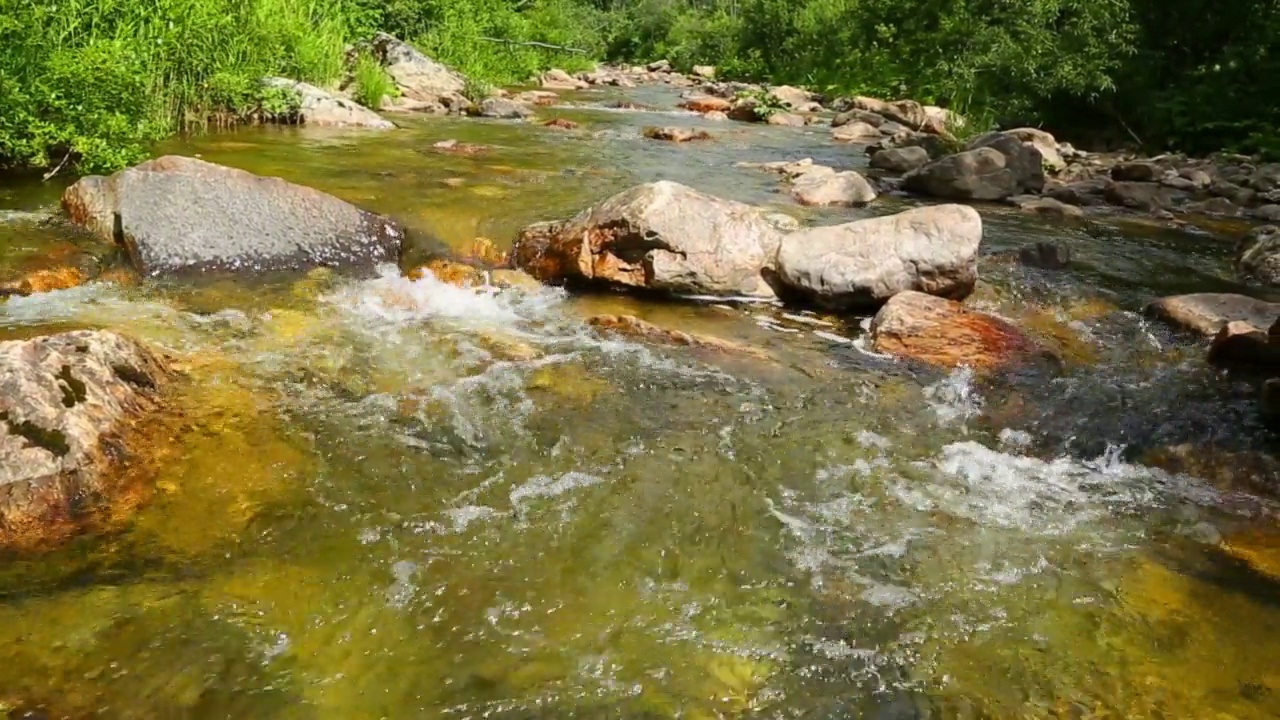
(947, 334)
(676, 135)
(561, 124)
(706, 104)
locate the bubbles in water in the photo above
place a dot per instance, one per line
(954, 398)
(543, 486)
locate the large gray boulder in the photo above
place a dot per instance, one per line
(660, 236)
(999, 170)
(861, 264)
(176, 214)
(1043, 142)
(1208, 313)
(419, 77)
(320, 108)
(65, 401)
(502, 108)
(900, 159)
(1258, 255)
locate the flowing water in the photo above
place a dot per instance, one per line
(386, 498)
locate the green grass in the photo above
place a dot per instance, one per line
(371, 83)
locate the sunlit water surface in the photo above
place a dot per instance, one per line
(386, 498)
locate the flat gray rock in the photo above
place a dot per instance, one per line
(1207, 313)
(859, 265)
(320, 108)
(178, 214)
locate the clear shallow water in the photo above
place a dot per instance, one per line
(393, 498)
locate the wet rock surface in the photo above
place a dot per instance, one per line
(1208, 313)
(660, 236)
(177, 214)
(945, 333)
(65, 401)
(861, 264)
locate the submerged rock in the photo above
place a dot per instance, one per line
(1208, 313)
(945, 333)
(659, 236)
(176, 214)
(634, 327)
(561, 124)
(324, 109)
(1045, 255)
(64, 402)
(676, 134)
(419, 77)
(1258, 255)
(861, 264)
(826, 187)
(41, 281)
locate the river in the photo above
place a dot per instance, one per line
(388, 498)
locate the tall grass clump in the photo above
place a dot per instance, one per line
(370, 82)
(96, 81)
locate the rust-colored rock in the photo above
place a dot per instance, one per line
(676, 135)
(634, 327)
(45, 281)
(449, 272)
(1242, 342)
(561, 124)
(947, 334)
(484, 250)
(65, 402)
(706, 104)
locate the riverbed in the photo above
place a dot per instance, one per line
(394, 498)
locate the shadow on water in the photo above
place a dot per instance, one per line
(387, 498)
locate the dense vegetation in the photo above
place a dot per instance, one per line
(95, 81)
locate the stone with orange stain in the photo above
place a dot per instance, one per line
(449, 272)
(561, 124)
(706, 104)
(41, 281)
(484, 250)
(1259, 548)
(676, 134)
(947, 334)
(659, 236)
(68, 402)
(633, 327)
(123, 277)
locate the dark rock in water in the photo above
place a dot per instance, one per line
(1136, 171)
(900, 159)
(1045, 255)
(1208, 313)
(177, 214)
(1241, 342)
(1080, 193)
(64, 399)
(1258, 255)
(1046, 207)
(1142, 195)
